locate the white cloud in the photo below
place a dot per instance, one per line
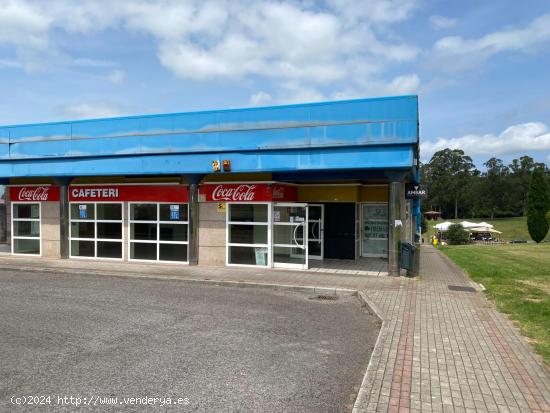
(399, 85)
(294, 42)
(524, 137)
(375, 11)
(117, 76)
(460, 53)
(86, 62)
(9, 64)
(404, 84)
(260, 98)
(442, 22)
(90, 110)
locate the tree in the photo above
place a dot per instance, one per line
(495, 188)
(521, 170)
(538, 204)
(457, 235)
(448, 175)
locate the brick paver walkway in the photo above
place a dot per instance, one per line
(438, 351)
(448, 351)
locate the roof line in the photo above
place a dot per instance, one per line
(212, 111)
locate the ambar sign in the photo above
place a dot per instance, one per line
(415, 191)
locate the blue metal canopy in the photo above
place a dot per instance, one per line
(379, 133)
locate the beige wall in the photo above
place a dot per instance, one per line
(212, 234)
(50, 230)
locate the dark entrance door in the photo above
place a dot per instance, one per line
(340, 230)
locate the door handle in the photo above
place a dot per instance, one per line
(294, 236)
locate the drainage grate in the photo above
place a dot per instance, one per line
(461, 288)
(324, 297)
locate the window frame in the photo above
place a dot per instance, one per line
(39, 220)
(95, 239)
(362, 229)
(158, 241)
(267, 223)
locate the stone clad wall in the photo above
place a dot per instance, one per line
(212, 234)
(50, 229)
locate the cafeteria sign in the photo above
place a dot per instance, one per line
(415, 191)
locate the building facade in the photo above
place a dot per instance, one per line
(270, 187)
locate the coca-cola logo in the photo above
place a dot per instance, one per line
(39, 193)
(234, 193)
(278, 192)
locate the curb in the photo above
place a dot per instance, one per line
(222, 283)
(450, 263)
(362, 395)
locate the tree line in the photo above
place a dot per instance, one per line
(457, 189)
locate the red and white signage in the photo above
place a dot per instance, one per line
(247, 193)
(34, 193)
(128, 193)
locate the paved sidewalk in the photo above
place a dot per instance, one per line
(448, 351)
(439, 350)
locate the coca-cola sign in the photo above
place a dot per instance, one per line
(234, 193)
(249, 192)
(34, 193)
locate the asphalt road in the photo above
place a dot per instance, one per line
(225, 349)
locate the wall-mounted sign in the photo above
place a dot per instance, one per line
(174, 212)
(128, 193)
(415, 191)
(247, 193)
(34, 193)
(83, 211)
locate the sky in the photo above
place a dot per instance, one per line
(480, 68)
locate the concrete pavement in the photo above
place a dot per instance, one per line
(224, 349)
(439, 350)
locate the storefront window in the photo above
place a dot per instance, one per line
(248, 234)
(375, 230)
(26, 228)
(159, 232)
(96, 230)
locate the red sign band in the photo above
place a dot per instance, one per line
(128, 193)
(247, 193)
(34, 193)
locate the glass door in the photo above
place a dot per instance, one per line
(290, 236)
(315, 224)
(375, 230)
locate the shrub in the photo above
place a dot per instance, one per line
(538, 204)
(457, 235)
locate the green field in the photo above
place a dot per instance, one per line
(517, 278)
(511, 228)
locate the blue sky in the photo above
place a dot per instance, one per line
(479, 68)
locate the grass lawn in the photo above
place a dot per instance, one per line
(517, 278)
(511, 228)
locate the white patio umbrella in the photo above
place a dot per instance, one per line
(485, 224)
(468, 224)
(443, 226)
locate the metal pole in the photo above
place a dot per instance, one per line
(193, 224)
(394, 231)
(3, 218)
(63, 184)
